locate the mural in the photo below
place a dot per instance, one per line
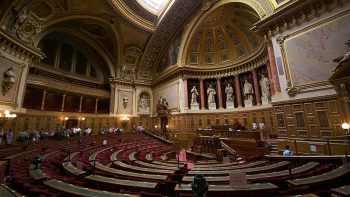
(309, 52)
(170, 57)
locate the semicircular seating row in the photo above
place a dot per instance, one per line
(124, 168)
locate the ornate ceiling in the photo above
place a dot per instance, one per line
(114, 27)
(224, 37)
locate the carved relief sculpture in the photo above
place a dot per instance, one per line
(125, 101)
(265, 89)
(8, 81)
(25, 26)
(248, 94)
(211, 97)
(144, 104)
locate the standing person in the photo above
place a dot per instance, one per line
(287, 152)
(9, 136)
(1, 134)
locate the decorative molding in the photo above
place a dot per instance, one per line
(294, 13)
(15, 47)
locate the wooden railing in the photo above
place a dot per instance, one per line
(246, 135)
(301, 160)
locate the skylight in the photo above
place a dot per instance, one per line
(155, 6)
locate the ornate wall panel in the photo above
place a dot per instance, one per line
(10, 79)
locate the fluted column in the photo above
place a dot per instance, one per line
(185, 93)
(268, 68)
(43, 99)
(273, 67)
(96, 105)
(256, 87)
(63, 101)
(201, 86)
(220, 93)
(238, 91)
(80, 103)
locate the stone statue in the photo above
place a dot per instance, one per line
(211, 94)
(8, 81)
(248, 90)
(194, 94)
(229, 93)
(344, 58)
(265, 87)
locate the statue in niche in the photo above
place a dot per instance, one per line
(211, 94)
(8, 81)
(229, 93)
(194, 95)
(265, 87)
(248, 93)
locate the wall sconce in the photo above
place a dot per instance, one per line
(83, 118)
(346, 127)
(155, 126)
(167, 126)
(66, 118)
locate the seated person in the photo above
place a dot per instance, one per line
(287, 152)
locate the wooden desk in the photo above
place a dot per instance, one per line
(68, 167)
(126, 173)
(122, 183)
(128, 167)
(168, 164)
(246, 170)
(345, 190)
(329, 176)
(36, 174)
(132, 156)
(113, 156)
(155, 166)
(81, 191)
(297, 170)
(227, 190)
(229, 167)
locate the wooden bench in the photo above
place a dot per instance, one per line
(265, 168)
(81, 191)
(5, 191)
(126, 173)
(325, 177)
(121, 183)
(72, 170)
(297, 170)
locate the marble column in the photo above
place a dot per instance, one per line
(221, 106)
(268, 68)
(201, 86)
(63, 101)
(238, 91)
(96, 105)
(273, 67)
(185, 93)
(256, 87)
(43, 99)
(80, 103)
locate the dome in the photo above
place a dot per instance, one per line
(224, 38)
